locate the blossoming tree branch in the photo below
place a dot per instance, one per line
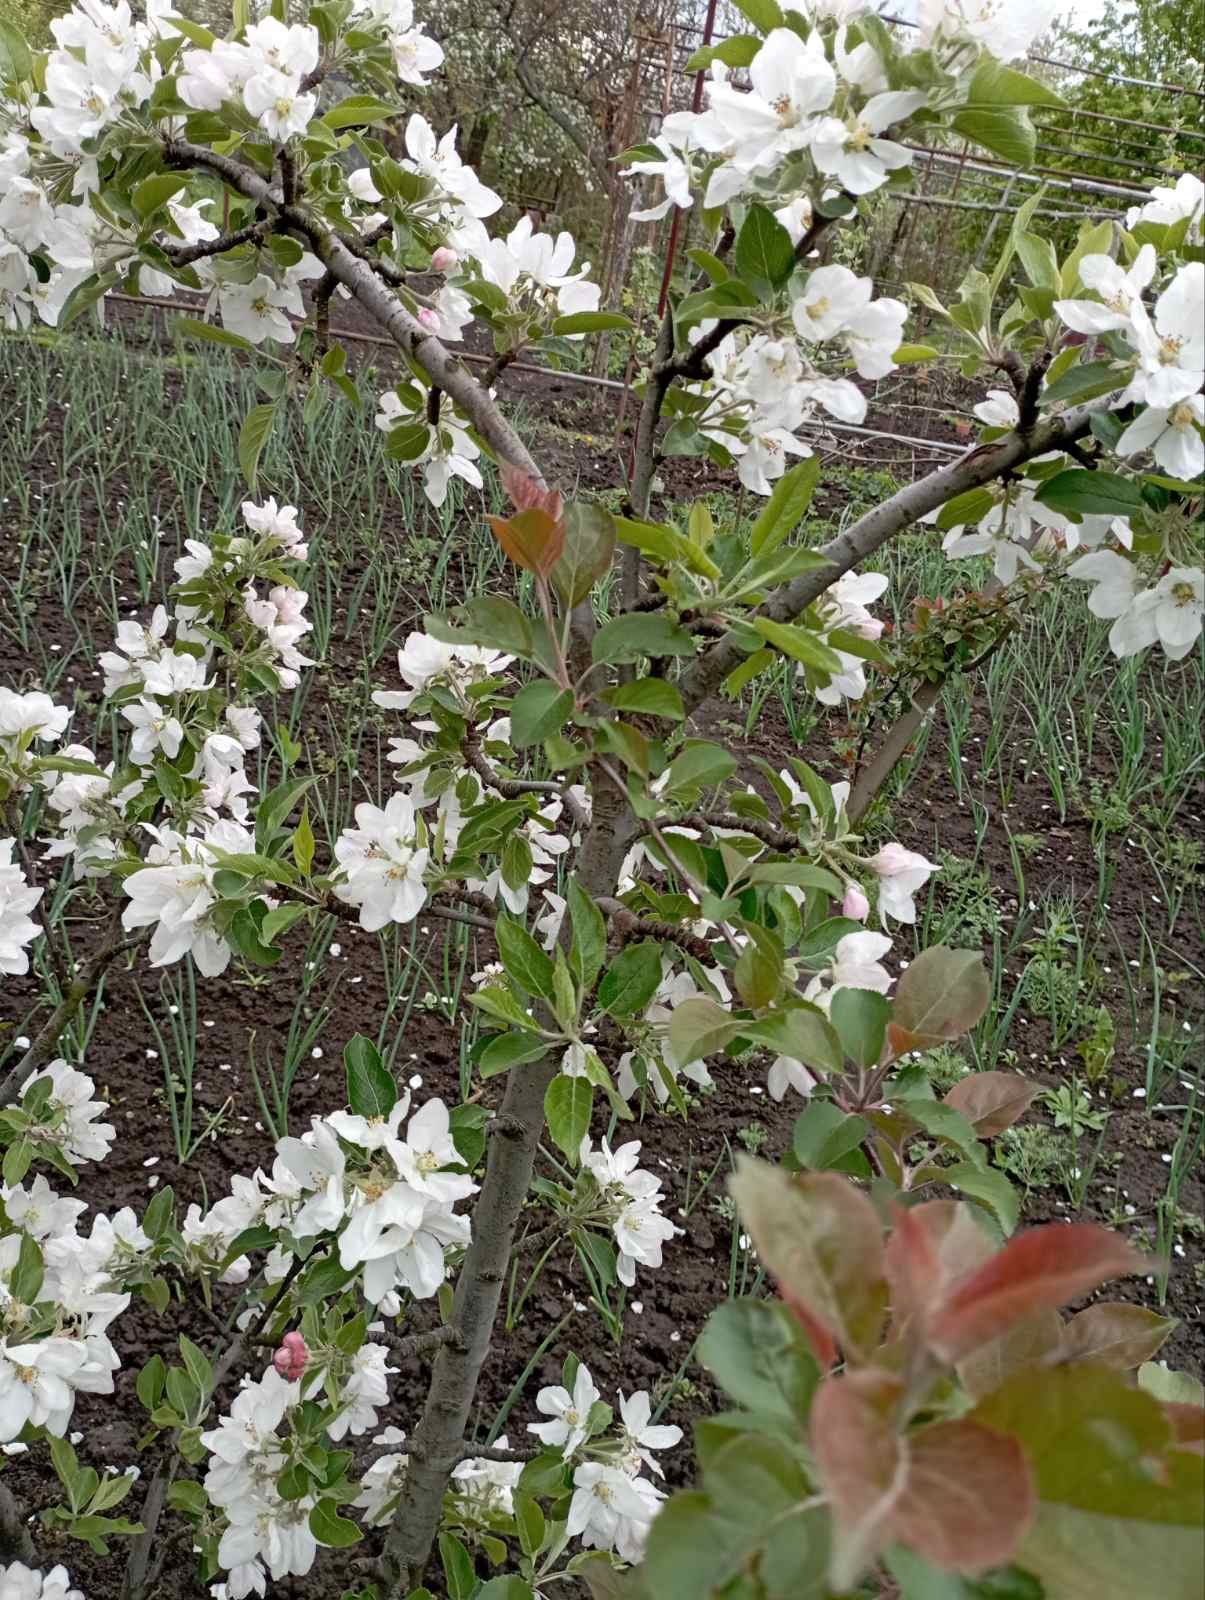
(657, 915)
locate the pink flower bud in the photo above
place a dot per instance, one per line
(855, 904)
(443, 259)
(291, 1358)
(429, 318)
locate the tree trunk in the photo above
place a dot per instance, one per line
(514, 1138)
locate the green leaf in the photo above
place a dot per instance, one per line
(992, 83)
(653, 697)
(506, 1050)
(765, 15)
(1116, 1502)
(568, 1104)
(700, 1027)
(407, 441)
(783, 511)
(487, 620)
(1039, 260)
(523, 959)
(332, 1530)
(458, 1567)
(627, 638)
(941, 995)
(798, 643)
(25, 1282)
(539, 709)
(756, 1351)
(588, 550)
(860, 1017)
(303, 843)
(156, 191)
(359, 111)
(507, 1587)
(592, 322)
(589, 947)
(1078, 492)
(665, 545)
(763, 248)
(371, 1091)
(1004, 130)
(16, 58)
(825, 1137)
(190, 328)
(989, 1187)
(1085, 382)
(750, 1518)
(698, 765)
(801, 1032)
(631, 980)
(909, 354)
(252, 437)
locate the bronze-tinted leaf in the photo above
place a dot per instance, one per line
(941, 995)
(992, 1101)
(968, 1497)
(820, 1238)
(1115, 1335)
(532, 539)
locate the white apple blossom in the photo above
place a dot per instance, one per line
(1120, 290)
(363, 1392)
(69, 1117)
(382, 865)
(256, 310)
(19, 1582)
(901, 874)
(424, 661)
(1172, 434)
(488, 1486)
(610, 1510)
(569, 1427)
(275, 100)
(1185, 202)
(1005, 27)
(1171, 345)
(791, 81)
(38, 1384)
(1170, 614)
(854, 153)
(30, 716)
(641, 1436)
(17, 899)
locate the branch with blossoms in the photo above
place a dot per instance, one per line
(656, 915)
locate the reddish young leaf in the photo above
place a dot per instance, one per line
(532, 539)
(1046, 1267)
(992, 1101)
(931, 1245)
(958, 1494)
(823, 1345)
(526, 494)
(1115, 1335)
(968, 1497)
(821, 1240)
(862, 1466)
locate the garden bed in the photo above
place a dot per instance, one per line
(89, 471)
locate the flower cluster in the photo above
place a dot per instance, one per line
(763, 388)
(613, 1504)
(19, 1582)
(388, 1194)
(1159, 359)
(60, 1289)
(631, 1198)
